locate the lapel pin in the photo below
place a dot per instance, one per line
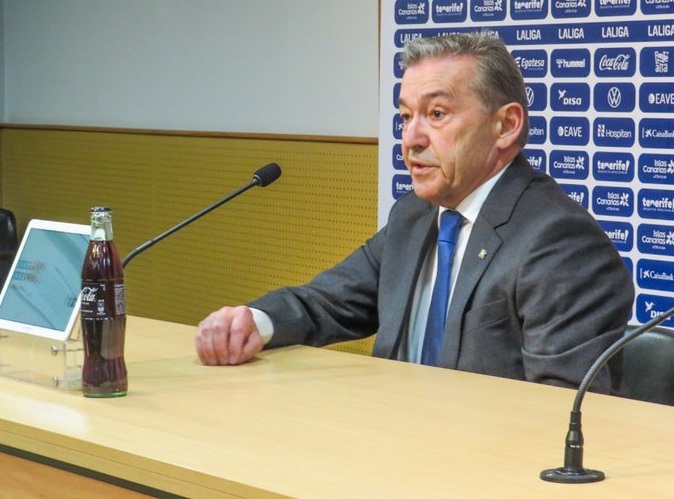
(482, 254)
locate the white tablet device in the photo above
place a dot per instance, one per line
(41, 293)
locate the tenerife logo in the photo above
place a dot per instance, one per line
(615, 62)
(532, 63)
(537, 130)
(401, 185)
(621, 233)
(537, 96)
(569, 164)
(613, 166)
(528, 9)
(397, 158)
(656, 98)
(613, 201)
(409, 12)
(572, 131)
(656, 239)
(656, 203)
(449, 11)
(656, 133)
(570, 8)
(569, 63)
(615, 7)
(650, 7)
(536, 159)
(655, 61)
(570, 97)
(576, 192)
(614, 97)
(656, 168)
(487, 10)
(654, 274)
(614, 132)
(649, 307)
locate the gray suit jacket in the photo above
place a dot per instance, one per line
(540, 294)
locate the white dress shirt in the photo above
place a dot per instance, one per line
(469, 209)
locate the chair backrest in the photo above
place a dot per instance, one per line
(648, 367)
(9, 242)
(9, 239)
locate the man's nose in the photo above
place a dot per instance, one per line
(415, 134)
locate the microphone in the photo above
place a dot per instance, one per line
(262, 177)
(573, 470)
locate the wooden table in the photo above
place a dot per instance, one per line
(315, 423)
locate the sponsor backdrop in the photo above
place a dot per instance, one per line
(600, 79)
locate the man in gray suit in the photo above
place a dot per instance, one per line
(538, 291)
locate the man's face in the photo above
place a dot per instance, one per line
(448, 140)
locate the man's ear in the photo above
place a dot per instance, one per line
(510, 120)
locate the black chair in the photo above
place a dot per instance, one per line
(648, 367)
(9, 242)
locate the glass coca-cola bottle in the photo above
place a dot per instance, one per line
(103, 312)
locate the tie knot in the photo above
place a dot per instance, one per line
(450, 223)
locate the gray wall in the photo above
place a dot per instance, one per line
(265, 66)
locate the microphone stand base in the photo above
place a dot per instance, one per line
(566, 475)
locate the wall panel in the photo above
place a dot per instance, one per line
(323, 206)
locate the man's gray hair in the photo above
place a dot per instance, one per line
(498, 80)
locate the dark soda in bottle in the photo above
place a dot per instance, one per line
(103, 312)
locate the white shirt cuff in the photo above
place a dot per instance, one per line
(263, 323)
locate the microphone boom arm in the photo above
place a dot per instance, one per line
(573, 470)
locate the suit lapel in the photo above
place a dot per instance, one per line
(482, 246)
(408, 250)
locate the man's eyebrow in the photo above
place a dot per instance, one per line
(430, 96)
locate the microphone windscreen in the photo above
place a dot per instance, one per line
(267, 174)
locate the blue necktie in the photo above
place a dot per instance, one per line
(450, 223)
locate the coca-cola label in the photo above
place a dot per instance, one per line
(102, 300)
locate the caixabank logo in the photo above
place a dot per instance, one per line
(649, 307)
(656, 168)
(613, 201)
(528, 9)
(450, 11)
(569, 164)
(656, 133)
(620, 233)
(655, 274)
(655, 239)
(656, 204)
(411, 12)
(613, 166)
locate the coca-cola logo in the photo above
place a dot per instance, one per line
(617, 63)
(89, 294)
